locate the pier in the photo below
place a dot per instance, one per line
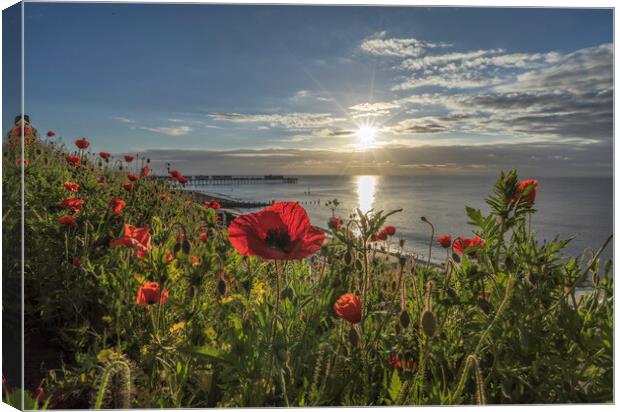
(206, 180)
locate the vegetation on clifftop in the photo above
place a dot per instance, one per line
(152, 305)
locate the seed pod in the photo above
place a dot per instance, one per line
(186, 247)
(348, 258)
(456, 257)
(282, 355)
(428, 323)
(595, 279)
(354, 337)
(221, 286)
(405, 319)
(358, 265)
(401, 243)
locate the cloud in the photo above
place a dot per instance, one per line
(581, 71)
(294, 121)
(418, 126)
(373, 109)
(556, 97)
(380, 45)
(450, 80)
(123, 119)
(171, 131)
(442, 59)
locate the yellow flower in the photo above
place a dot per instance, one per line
(177, 326)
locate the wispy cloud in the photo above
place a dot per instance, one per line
(123, 119)
(171, 131)
(293, 121)
(381, 45)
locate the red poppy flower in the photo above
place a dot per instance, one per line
(17, 131)
(149, 294)
(211, 204)
(182, 179)
(394, 361)
(334, 223)
(128, 158)
(165, 198)
(38, 393)
(76, 262)
(50, 133)
(529, 185)
(134, 237)
(410, 364)
(117, 205)
(145, 171)
(169, 257)
(67, 221)
(175, 173)
(461, 244)
(203, 236)
(128, 186)
(25, 162)
(349, 308)
(82, 143)
(101, 181)
(104, 155)
(389, 230)
(280, 231)
(194, 259)
(73, 204)
(73, 160)
(72, 187)
(381, 235)
(445, 240)
(132, 177)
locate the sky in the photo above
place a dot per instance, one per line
(220, 89)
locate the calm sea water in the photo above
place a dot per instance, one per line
(568, 207)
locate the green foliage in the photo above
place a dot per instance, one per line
(513, 322)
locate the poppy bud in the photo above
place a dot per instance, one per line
(428, 323)
(177, 248)
(354, 337)
(221, 287)
(358, 265)
(348, 258)
(595, 279)
(186, 246)
(404, 319)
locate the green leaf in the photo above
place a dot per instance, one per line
(475, 217)
(206, 352)
(394, 385)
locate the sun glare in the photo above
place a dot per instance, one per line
(366, 137)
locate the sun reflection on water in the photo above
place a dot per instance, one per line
(366, 189)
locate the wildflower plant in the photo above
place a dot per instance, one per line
(159, 305)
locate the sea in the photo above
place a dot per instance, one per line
(567, 207)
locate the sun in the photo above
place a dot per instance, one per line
(366, 137)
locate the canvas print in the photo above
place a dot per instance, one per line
(220, 206)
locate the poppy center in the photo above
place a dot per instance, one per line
(278, 239)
